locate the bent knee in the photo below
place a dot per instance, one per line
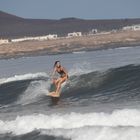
(61, 81)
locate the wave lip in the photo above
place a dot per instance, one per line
(26, 124)
(23, 77)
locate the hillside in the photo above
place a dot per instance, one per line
(13, 27)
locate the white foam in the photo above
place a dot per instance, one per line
(79, 52)
(35, 90)
(97, 133)
(123, 48)
(26, 124)
(23, 77)
(82, 68)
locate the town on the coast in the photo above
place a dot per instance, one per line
(69, 35)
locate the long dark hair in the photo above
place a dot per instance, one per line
(56, 63)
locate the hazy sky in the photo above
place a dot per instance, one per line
(87, 9)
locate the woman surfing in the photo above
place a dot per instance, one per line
(59, 81)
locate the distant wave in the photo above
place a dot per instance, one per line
(23, 77)
(79, 52)
(24, 124)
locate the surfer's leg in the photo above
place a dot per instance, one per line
(61, 80)
(57, 81)
(54, 82)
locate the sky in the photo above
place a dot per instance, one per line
(85, 9)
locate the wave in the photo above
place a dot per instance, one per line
(79, 52)
(117, 84)
(13, 88)
(79, 69)
(34, 92)
(96, 133)
(126, 118)
(114, 85)
(88, 133)
(23, 77)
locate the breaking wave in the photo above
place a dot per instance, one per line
(124, 123)
(113, 85)
(23, 77)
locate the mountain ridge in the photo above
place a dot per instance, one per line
(12, 26)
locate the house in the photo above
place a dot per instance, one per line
(53, 36)
(93, 31)
(136, 27)
(74, 34)
(4, 41)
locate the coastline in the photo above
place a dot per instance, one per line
(69, 45)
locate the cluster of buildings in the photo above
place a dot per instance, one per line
(69, 35)
(40, 38)
(133, 27)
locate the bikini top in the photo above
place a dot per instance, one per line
(61, 71)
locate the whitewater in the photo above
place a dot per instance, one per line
(100, 100)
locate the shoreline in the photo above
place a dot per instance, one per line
(69, 45)
(44, 52)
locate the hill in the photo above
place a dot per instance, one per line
(12, 26)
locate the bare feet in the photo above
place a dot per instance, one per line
(54, 94)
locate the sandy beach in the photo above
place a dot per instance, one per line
(68, 45)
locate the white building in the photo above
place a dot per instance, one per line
(18, 40)
(4, 41)
(93, 31)
(74, 34)
(53, 36)
(39, 38)
(134, 27)
(137, 27)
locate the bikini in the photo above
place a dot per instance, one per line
(62, 73)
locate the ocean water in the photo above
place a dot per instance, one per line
(100, 101)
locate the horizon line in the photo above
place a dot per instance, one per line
(66, 18)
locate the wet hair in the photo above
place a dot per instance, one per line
(56, 63)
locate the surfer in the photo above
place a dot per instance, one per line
(59, 81)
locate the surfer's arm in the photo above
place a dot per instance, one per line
(54, 70)
(65, 71)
